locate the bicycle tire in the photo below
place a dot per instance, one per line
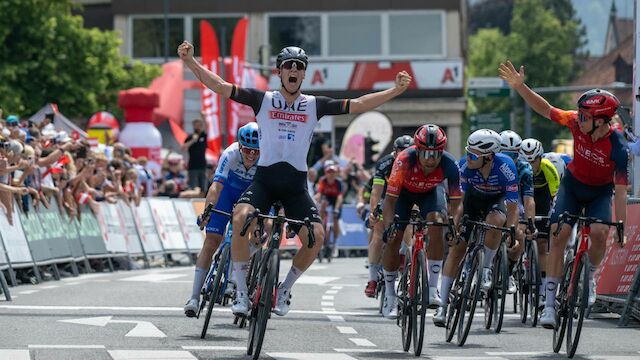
(535, 281)
(254, 294)
(577, 305)
(383, 291)
(404, 307)
(266, 301)
(502, 281)
(223, 262)
(420, 302)
(470, 296)
(251, 282)
(561, 304)
(521, 272)
(453, 306)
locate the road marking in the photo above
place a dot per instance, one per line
(326, 303)
(362, 342)
(142, 328)
(27, 292)
(328, 310)
(72, 283)
(361, 350)
(153, 277)
(467, 358)
(151, 355)
(335, 318)
(515, 353)
(315, 280)
(328, 297)
(14, 354)
(216, 348)
(50, 287)
(310, 356)
(41, 346)
(336, 287)
(346, 330)
(331, 292)
(612, 357)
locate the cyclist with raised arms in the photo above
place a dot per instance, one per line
(599, 165)
(415, 178)
(510, 146)
(378, 185)
(489, 180)
(546, 182)
(233, 176)
(287, 119)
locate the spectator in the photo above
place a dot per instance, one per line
(196, 143)
(175, 171)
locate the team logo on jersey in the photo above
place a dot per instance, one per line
(280, 115)
(504, 168)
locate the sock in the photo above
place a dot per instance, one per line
(198, 281)
(543, 286)
(551, 287)
(592, 270)
(292, 276)
(489, 254)
(373, 272)
(390, 282)
(403, 248)
(434, 267)
(447, 281)
(240, 269)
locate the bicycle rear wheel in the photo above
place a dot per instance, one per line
(453, 313)
(534, 280)
(500, 286)
(221, 269)
(404, 306)
(420, 302)
(561, 306)
(265, 302)
(577, 303)
(470, 296)
(521, 272)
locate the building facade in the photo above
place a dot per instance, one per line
(354, 47)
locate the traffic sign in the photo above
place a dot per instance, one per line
(497, 121)
(486, 92)
(482, 87)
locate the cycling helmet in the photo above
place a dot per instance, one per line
(292, 52)
(430, 137)
(248, 136)
(531, 149)
(510, 141)
(402, 142)
(484, 141)
(599, 103)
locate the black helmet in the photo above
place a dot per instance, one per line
(292, 52)
(402, 143)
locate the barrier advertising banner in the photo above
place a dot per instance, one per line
(67, 227)
(167, 224)
(14, 239)
(353, 234)
(90, 233)
(147, 228)
(37, 238)
(112, 230)
(129, 227)
(187, 218)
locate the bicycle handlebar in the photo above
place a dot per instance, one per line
(257, 215)
(587, 221)
(511, 229)
(206, 214)
(420, 223)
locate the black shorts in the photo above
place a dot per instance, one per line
(434, 200)
(573, 196)
(281, 182)
(477, 206)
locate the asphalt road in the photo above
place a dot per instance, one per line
(138, 315)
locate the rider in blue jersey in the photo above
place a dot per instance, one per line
(488, 179)
(234, 174)
(510, 146)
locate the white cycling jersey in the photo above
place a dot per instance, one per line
(557, 161)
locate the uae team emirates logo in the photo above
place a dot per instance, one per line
(280, 115)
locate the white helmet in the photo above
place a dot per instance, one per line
(510, 141)
(531, 149)
(484, 141)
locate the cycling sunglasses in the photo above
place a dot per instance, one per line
(582, 117)
(428, 154)
(288, 64)
(248, 151)
(473, 156)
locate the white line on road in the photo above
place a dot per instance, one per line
(151, 355)
(335, 318)
(50, 287)
(326, 303)
(467, 358)
(27, 292)
(328, 297)
(328, 310)
(52, 346)
(72, 283)
(216, 348)
(331, 292)
(362, 350)
(336, 287)
(346, 330)
(362, 342)
(14, 354)
(309, 356)
(515, 353)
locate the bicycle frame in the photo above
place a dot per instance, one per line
(583, 247)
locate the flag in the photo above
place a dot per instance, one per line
(210, 100)
(236, 75)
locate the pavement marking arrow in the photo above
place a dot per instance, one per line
(142, 328)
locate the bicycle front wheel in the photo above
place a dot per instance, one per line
(534, 280)
(221, 269)
(561, 306)
(500, 286)
(420, 302)
(577, 304)
(453, 313)
(470, 296)
(404, 306)
(265, 302)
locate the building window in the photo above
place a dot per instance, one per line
(228, 23)
(355, 35)
(415, 34)
(302, 31)
(148, 37)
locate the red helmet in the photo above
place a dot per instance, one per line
(430, 137)
(599, 103)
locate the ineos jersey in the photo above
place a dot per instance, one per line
(286, 130)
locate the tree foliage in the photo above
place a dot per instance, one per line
(47, 56)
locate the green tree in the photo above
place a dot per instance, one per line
(47, 56)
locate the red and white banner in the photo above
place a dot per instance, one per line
(236, 76)
(373, 75)
(210, 100)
